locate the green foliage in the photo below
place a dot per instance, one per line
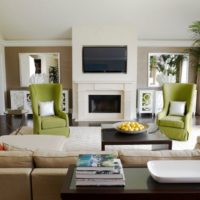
(153, 61)
(195, 28)
(53, 74)
(169, 63)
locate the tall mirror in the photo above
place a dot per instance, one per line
(167, 68)
(39, 68)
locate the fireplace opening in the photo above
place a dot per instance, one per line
(104, 103)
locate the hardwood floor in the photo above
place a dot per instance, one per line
(10, 123)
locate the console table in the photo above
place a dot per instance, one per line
(21, 113)
(139, 185)
(151, 101)
(20, 99)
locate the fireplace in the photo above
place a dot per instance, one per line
(104, 103)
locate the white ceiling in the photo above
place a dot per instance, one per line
(54, 19)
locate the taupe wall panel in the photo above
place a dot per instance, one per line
(12, 65)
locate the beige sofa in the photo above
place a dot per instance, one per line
(39, 175)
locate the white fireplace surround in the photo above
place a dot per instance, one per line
(126, 90)
(84, 84)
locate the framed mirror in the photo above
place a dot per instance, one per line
(167, 68)
(39, 68)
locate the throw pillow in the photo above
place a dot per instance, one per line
(2, 147)
(177, 108)
(46, 108)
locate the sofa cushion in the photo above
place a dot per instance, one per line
(52, 122)
(172, 121)
(34, 142)
(15, 184)
(16, 159)
(57, 159)
(141, 157)
(50, 180)
(8, 147)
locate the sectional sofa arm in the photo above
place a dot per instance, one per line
(47, 183)
(15, 183)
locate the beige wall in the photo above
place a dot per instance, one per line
(13, 71)
(12, 64)
(142, 77)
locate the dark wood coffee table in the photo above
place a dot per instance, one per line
(139, 185)
(110, 136)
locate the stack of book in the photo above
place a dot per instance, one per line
(99, 170)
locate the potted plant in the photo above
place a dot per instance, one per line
(195, 51)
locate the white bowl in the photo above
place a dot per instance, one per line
(175, 171)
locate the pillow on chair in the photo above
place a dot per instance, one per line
(46, 108)
(177, 108)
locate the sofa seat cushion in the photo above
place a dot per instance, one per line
(172, 121)
(131, 158)
(52, 122)
(57, 159)
(16, 159)
(34, 142)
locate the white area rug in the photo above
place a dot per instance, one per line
(190, 144)
(89, 139)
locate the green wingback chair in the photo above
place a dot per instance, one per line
(57, 124)
(176, 127)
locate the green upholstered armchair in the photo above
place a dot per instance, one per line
(57, 124)
(176, 127)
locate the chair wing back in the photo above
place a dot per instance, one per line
(45, 92)
(178, 92)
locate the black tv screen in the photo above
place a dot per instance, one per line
(105, 59)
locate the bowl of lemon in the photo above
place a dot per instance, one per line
(130, 127)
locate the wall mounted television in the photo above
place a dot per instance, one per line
(104, 59)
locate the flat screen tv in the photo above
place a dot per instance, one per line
(105, 59)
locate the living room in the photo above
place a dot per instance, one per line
(140, 31)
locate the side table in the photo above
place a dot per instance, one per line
(139, 185)
(22, 113)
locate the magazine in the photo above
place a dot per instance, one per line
(117, 172)
(95, 162)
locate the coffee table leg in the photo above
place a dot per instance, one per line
(102, 147)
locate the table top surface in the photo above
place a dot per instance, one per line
(138, 180)
(110, 134)
(15, 112)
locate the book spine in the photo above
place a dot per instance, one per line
(99, 176)
(95, 168)
(100, 183)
